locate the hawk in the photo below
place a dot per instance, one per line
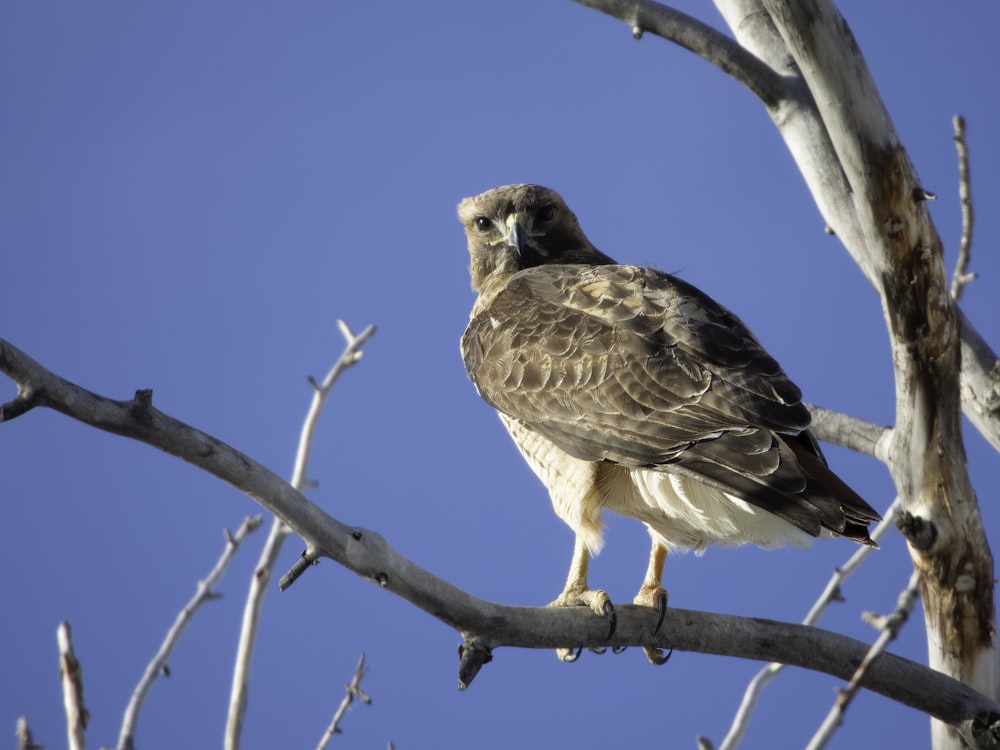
(630, 390)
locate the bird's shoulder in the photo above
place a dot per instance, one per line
(566, 343)
(646, 308)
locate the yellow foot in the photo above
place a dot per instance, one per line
(655, 597)
(599, 603)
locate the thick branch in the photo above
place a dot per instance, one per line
(492, 625)
(905, 255)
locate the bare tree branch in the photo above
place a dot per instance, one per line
(485, 624)
(830, 594)
(843, 140)
(980, 383)
(927, 459)
(263, 572)
(961, 275)
(352, 691)
(71, 676)
(706, 42)
(24, 739)
(890, 629)
(158, 665)
(850, 432)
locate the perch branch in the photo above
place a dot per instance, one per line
(261, 579)
(367, 554)
(159, 663)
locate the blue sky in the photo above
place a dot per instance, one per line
(192, 194)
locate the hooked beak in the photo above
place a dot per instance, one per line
(516, 233)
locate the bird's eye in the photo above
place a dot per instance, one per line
(483, 224)
(547, 213)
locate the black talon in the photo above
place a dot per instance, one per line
(612, 615)
(618, 649)
(571, 657)
(599, 650)
(655, 656)
(661, 607)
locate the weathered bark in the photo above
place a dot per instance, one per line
(904, 258)
(828, 110)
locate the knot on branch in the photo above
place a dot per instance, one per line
(141, 407)
(920, 533)
(472, 654)
(985, 730)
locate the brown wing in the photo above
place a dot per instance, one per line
(629, 365)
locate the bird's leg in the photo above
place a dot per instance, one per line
(578, 593)
(652, 594)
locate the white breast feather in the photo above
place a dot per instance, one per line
(572, 483)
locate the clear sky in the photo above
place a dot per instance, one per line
(192, 193)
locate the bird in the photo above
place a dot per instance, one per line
(628, 389)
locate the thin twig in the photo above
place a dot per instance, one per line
(263, 572)
(961, 276)
(832, 593)
(159, 663)
(24, 739)
(353, 690)
(71, 675)
(890, 629)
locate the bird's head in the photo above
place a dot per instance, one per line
(519, 226)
